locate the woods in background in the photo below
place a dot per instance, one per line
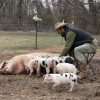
(18, 14)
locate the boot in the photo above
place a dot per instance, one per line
(82, 70)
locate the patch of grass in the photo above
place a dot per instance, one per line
(15, 41)
(26, 40)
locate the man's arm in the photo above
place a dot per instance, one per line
(69, 42)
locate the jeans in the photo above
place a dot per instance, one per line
(79, 52)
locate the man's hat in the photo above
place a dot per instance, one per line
(59, 25)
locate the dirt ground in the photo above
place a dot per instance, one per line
(23, 87)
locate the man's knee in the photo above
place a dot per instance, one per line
(76, 50)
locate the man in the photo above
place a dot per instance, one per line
(78, 43)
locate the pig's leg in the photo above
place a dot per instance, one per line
(27, 69)
(55, 69)
(55, 84)
(38, 71)
(47, 70)
(31, 71)
(71, 86)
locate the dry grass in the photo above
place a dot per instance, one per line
(26, 41)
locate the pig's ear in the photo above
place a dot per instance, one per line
(2, 64)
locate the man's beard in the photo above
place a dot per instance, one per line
(63, 34)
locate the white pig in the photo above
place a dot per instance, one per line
(65, 68)
(57, 79)
(50, 63)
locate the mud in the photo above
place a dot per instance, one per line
(23, 87)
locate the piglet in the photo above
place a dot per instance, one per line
(32, 66)
(57, 79)
(65, 68)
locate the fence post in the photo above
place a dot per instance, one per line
(36, 35)
(36, 19)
